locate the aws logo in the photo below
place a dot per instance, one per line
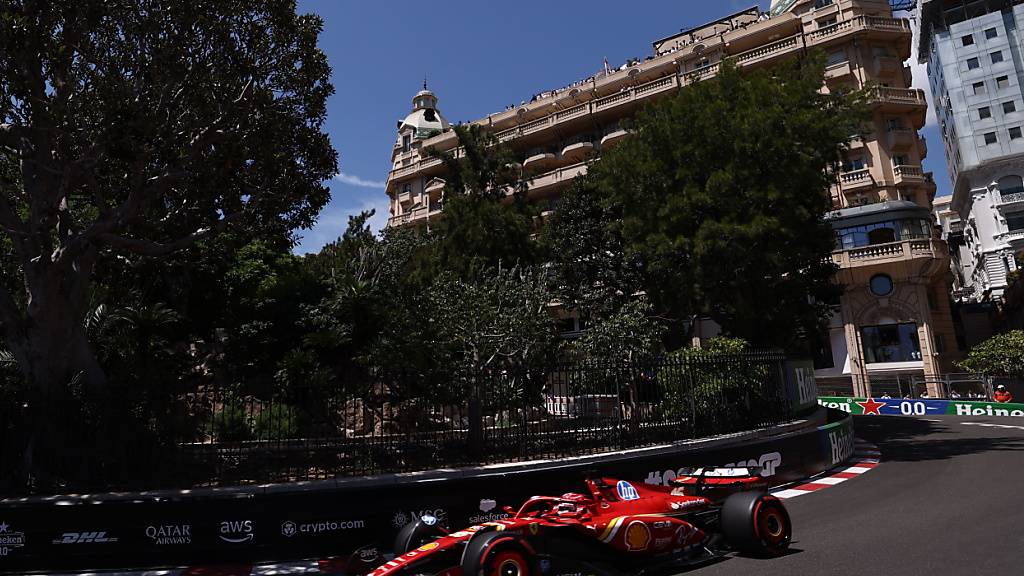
(236, 531)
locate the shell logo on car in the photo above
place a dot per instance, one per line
(427, 547)
(638, 536)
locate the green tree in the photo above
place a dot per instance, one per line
(1000, 355)
(487, 221)
(138, 128)
(720, 192)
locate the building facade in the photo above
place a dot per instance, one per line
(887, 321)
(975, 67)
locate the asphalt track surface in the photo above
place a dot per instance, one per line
(947, 498)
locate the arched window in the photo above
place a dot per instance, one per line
(1010, 185)
(881, 236)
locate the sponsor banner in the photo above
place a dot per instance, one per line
(902, 407)
(356, 522)
(800, 385)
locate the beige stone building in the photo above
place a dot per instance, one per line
(893, 319)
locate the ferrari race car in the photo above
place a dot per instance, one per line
(618, 528)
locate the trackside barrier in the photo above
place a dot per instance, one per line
(356, 520)
(908, 407)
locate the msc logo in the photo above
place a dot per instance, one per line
(84, 538)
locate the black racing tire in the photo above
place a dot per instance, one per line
(415, 534)
(499, 554)
(756, 524)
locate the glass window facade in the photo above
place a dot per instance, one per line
(890, 343)
(882, 233)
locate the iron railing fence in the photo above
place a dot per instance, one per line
(914, 386)
(378, 422)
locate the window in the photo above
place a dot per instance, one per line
(967, 40)
(979, 87)
(984, 112)
(822, 3)
(880, 285)
(990, 138)
(1002, 82)
(894, 124)
(991, 33)
(826, 22)
(1015, 132)
(837, 57)
(972, 63)
(854, 164)
(997, 57)
(882, 233)
(1009, 107)
(407, 189)
(900, 160)
(1015, 222)
(891, 343)
(406, 142)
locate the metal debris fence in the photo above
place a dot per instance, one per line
(381, 422)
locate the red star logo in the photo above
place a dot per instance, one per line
(871, 407)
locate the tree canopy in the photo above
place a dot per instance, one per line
(719, 195)
(1000, 355)
(134, 129)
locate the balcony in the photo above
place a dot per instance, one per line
(768, 52)
(540, 162)
(578, 152)
(903, 101)
(556, 178)
(903, 250)
(907, 173)
(861, 24)
(838, 71)
(1012, 198)
(856, 180)
(901, 138)
(434, 188)
(612, 138)
(1015, 238)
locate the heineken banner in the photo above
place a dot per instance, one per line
(904, 407)
(800, 384)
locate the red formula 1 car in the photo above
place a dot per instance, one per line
(618, 528)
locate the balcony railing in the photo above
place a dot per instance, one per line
(855, 178)
(1011, 196)
(900, 250)
(764, 52)
(900, 25)
(907, 172)
(908, 96)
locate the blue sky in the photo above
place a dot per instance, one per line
(478, 56)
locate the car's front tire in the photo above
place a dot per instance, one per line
(498, 554)
(756, 524)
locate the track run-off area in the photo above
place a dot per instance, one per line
(947, 498)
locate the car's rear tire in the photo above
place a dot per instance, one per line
(415, 534)
(498, 554)
(757, 524)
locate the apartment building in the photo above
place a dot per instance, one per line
(973, 51)
(889, 319)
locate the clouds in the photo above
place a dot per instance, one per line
(357, 181)
(348, 199)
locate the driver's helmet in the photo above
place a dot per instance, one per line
(567, 509)
(1000, 387)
